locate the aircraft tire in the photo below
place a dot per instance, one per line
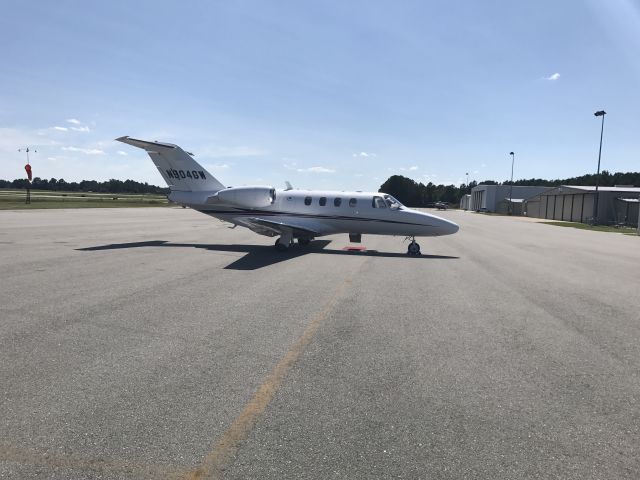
(281, 247)
(414, 249)
(303, 242)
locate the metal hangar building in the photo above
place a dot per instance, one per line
(616, 205)
(495, 198)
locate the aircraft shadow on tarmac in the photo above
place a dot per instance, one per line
(259, 256)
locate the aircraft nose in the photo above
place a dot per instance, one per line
(448, 227)
(437, 225)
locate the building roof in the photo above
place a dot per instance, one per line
(602, 189)
(573, 189)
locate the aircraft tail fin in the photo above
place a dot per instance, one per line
(177, 167)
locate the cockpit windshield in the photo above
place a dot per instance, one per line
(392, 203)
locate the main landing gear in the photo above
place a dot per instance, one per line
(286, 241)
(414, 247)
(283, 246)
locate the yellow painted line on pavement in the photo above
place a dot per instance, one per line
(225, 449)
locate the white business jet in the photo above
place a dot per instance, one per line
(289, 214)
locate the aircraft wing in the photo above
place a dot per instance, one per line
(272, 228)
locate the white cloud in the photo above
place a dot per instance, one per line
(293, 165)
(413, 168)
(316, 170)
(241, 151)
(12, 139)
(553, 77)
(87, 151)
(220, 166)
(124, 154)
(364, 154)
(78, 126)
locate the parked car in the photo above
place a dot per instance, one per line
(442, 205)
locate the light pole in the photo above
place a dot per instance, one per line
(513, 157)
(600, 113)
(468, 201)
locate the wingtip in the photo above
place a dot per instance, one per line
(122, 139)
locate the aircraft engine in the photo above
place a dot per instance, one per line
(247, 197)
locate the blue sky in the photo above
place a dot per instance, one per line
(325, 94)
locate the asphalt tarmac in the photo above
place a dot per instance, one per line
(158, 343)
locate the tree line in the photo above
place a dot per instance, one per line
(110, 186)
(408, 191)
(417, 194)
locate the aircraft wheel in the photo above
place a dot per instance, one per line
(414, 249)
(282, 246)
(304, 241)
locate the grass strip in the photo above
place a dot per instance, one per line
(40, 200)
(595, 228)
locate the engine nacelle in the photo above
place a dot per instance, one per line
(247, 197)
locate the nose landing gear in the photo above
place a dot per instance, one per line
(414, 247)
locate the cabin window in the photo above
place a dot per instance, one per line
(307, 200)
(378, 202)
(337, 202)
(353, 202)
(322, 201)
